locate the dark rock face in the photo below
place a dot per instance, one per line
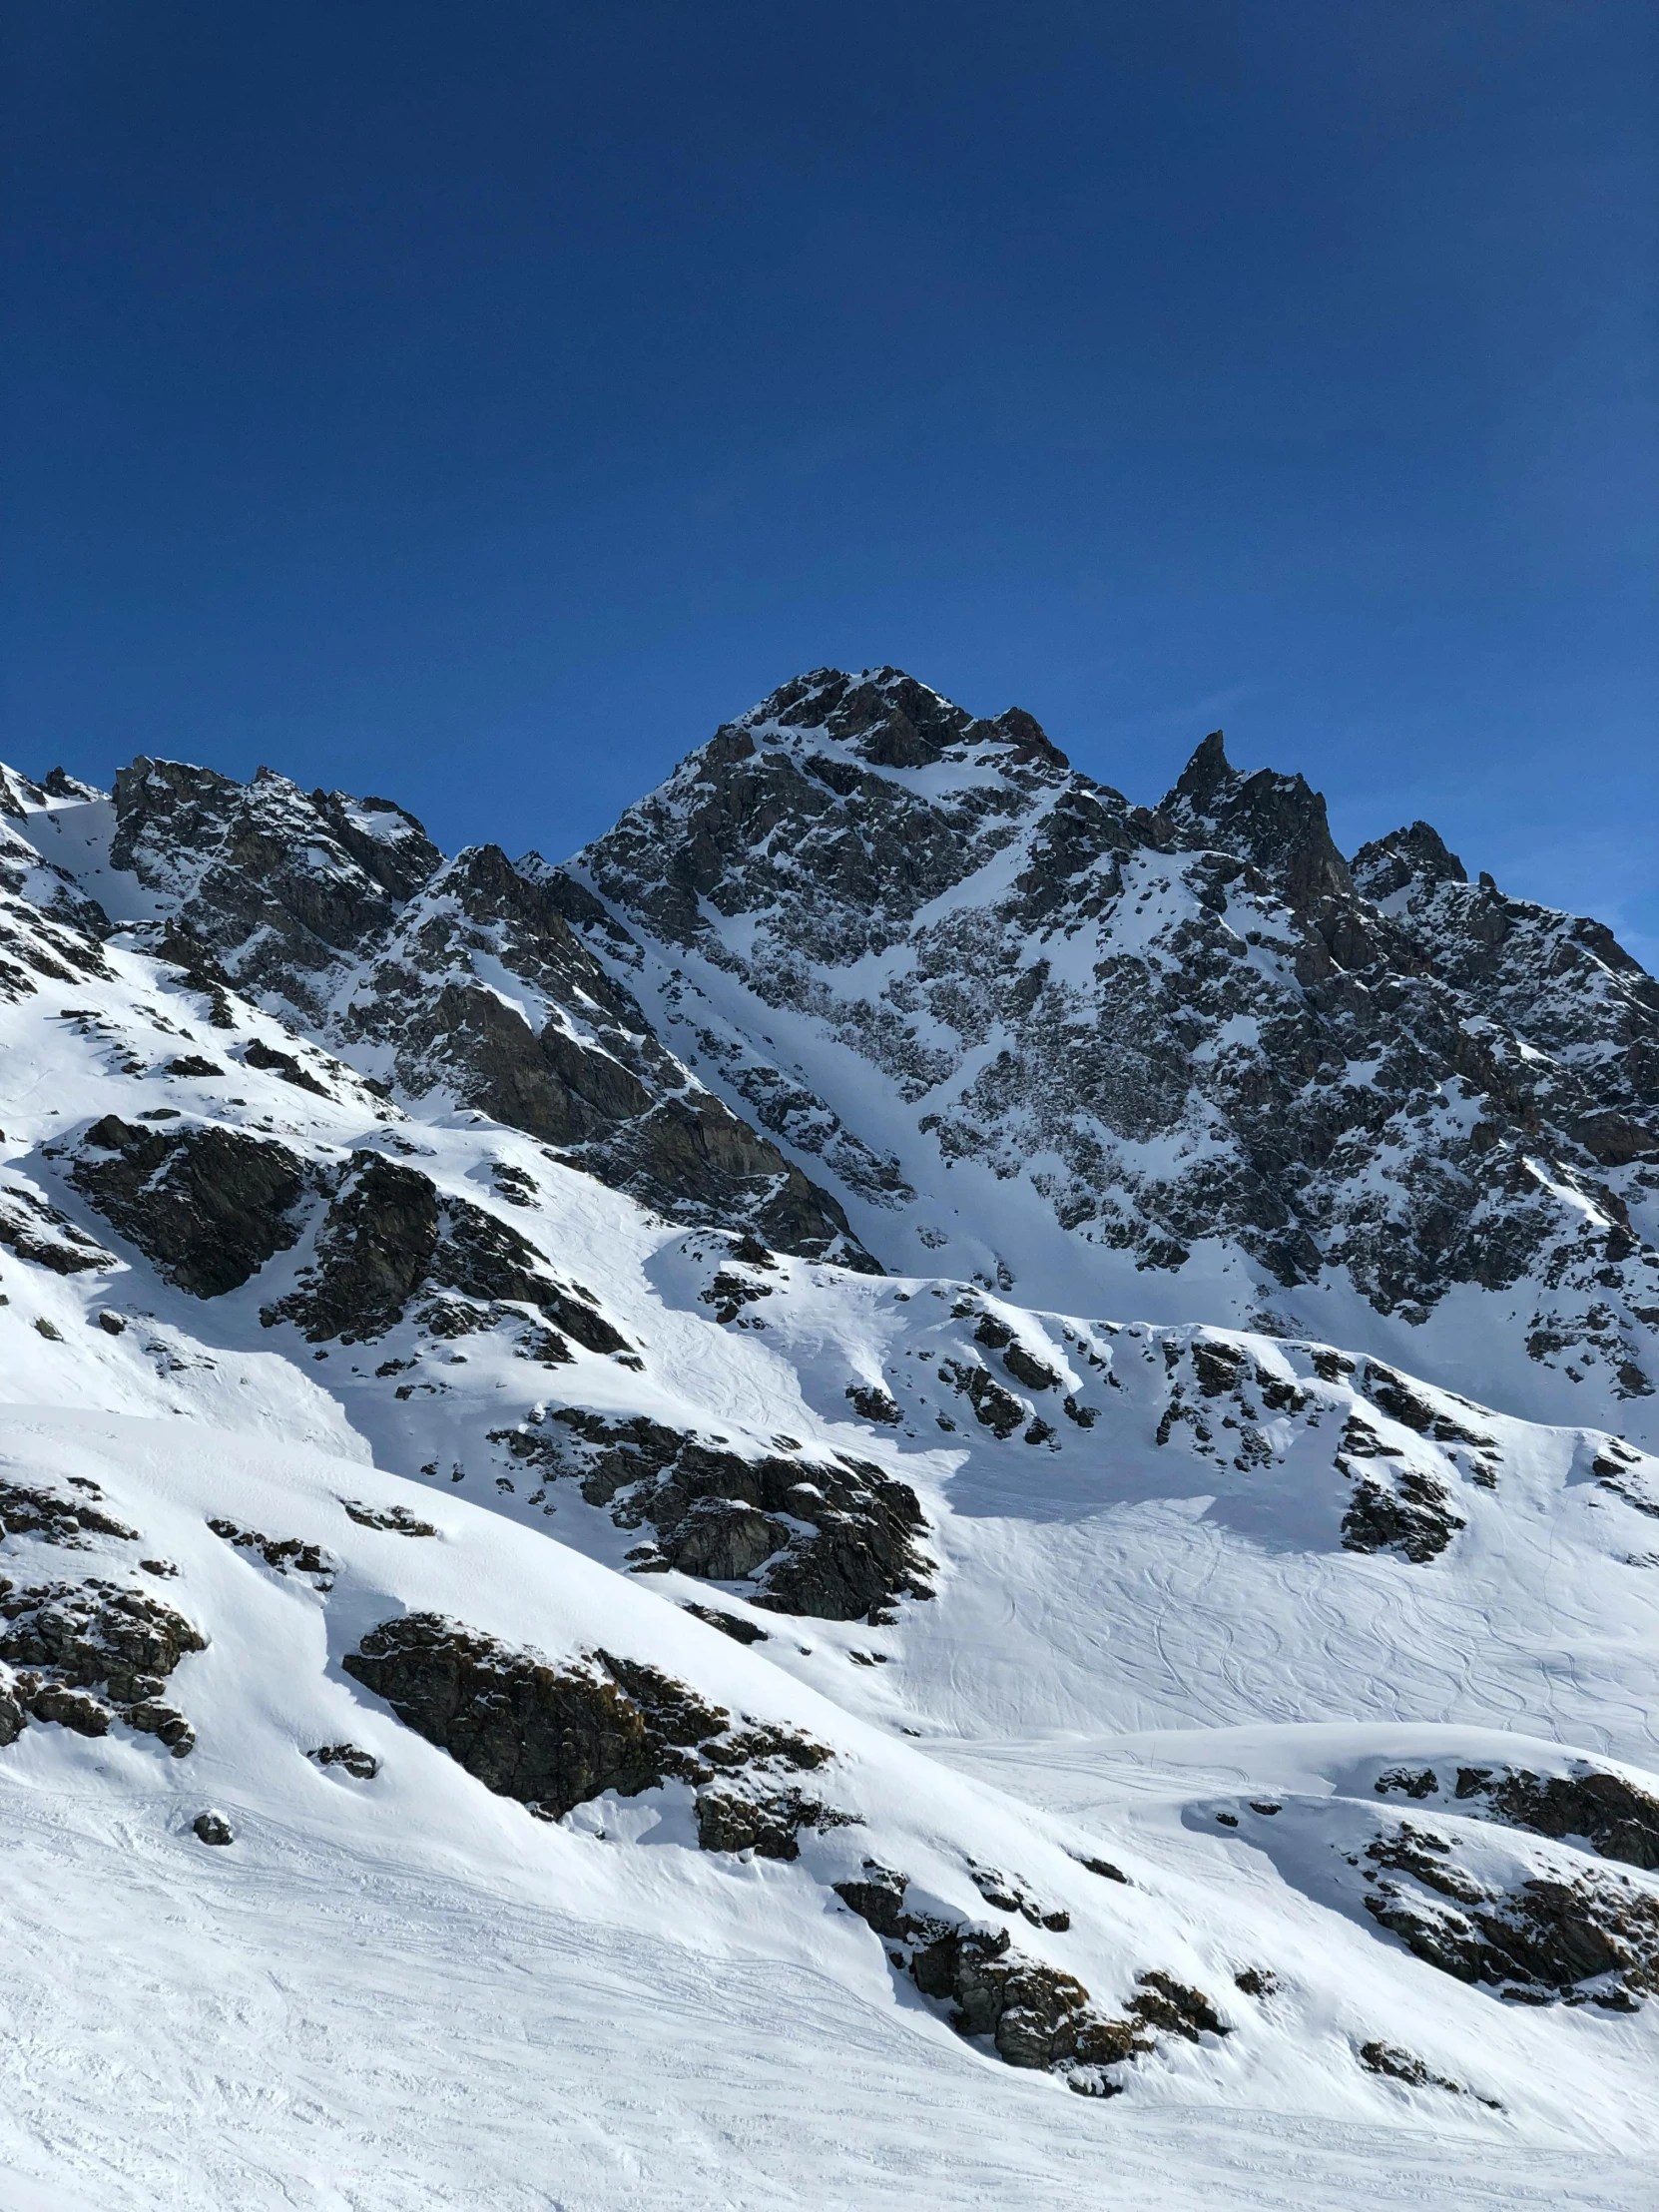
(747, 814)
(373, 1252)
(281, 1553)
(1384, 1070)
(48, 930)
(550, 1736)
(263, 866)
(1176, 2007)
(309, 902)
(213, 1828)
(1034, 2014)
(1408, 1512)
(729, 1624)
(1616, 1819)
(721, 1516)
(56, 1518)
(389, 1235)
(207, 1206)
(361, 1765)
(993, 1408)
(555, 1736)
(38, 1233)
(1586, 1937)
(68, 1640)
(396, 1518)
(257, 1054)
(1275, 823)
(1405, 2065)
(1010, 1895)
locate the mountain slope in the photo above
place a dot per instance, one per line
(703, 1722)
(459, 980)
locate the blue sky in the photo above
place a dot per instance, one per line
(479, 404)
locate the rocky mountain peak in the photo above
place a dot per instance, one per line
(1277, 823)
(877, 788)
(891, 721)
(447, 982)
(1416, 854)
(21, 796)
(976, 986)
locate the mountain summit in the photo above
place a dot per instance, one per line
(1185, 1060)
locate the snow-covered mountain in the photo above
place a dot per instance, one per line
(1185, 1061)
(1073, 1614)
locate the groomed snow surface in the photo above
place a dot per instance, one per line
(407, 1992)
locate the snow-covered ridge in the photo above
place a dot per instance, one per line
(454, 981)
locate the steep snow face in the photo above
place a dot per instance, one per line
(454, 981)
(1183, 1061)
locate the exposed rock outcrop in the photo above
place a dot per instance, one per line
(341, 914)
(207, 1206)
(1582, 1936)
(56, 1518)
(68, 1642)
(1033, 2014)
(556, 1736)
(390, 1234)
(281, 1553)
(39, 1233)
(835, 1537)
(1615, 1818)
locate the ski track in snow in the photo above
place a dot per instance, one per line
(365, 2042)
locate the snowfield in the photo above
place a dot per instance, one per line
(408, 1991)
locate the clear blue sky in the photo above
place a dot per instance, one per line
(478, 403)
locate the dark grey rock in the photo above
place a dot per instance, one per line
(1035, 2015)
(38, 1233)
(396, 1518)
(68, 1640)
(207, 1206)
(729, 1624)
(725, 1518)
(1405, 2065)
(390, 1235)
(1615, 1818)
(1542, 1938)
(281, 1553)
(554, 1737)
(57, 1516)
(361, 1764)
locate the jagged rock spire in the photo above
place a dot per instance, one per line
(1275, 822)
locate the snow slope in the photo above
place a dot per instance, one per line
(405, 1990)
